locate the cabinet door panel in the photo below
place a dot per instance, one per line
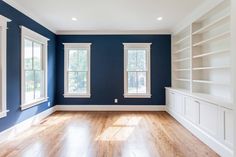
(172, 100)
(228, 127)
(209, 118)
(191, 110)
(179, 103)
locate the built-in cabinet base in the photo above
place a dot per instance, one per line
(210, 122)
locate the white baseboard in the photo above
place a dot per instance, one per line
(10, 133)
(204, 137)
(110, 107)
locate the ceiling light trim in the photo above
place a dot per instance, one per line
(30, 15)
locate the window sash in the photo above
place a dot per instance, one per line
(33, 55)
(137, 89)
(78, 51)
(34, 85)
(137, 53)
(77, 83)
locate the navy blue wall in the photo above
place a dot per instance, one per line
(13, 66)
(107, 76)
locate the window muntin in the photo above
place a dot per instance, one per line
(77, 70)
(137, 70)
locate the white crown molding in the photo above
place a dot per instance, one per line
(30, 15)
(195, 14)
(113, 32)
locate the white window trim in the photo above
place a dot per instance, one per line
(147, 47)
(29, 34)
(3, 57)
(67, 47)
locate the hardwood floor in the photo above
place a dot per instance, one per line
(106, 134)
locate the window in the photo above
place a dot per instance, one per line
(137, 70)
(77, 70)
(33, 68)
(3, 58)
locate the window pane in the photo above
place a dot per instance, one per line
(83, 60)
(132, 82)
(141, 60)
(72, 82)
(28, 50)
(141, 82)
(131, 60)
(82, 79)
(38, 84)
(73, 60)
(37, 56)
(77, 82)
(29, 86)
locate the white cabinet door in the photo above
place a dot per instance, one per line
(172, 100)
(191, 109)
(179, 103)
(167, 98)
(209, 118)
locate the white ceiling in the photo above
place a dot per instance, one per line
(107, 15)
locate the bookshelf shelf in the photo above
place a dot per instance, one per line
(220, 36)
(212, 24)
(205, 54)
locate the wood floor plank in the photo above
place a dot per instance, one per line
(106, 134)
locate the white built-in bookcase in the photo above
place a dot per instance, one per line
(201, 56)
(181, 59)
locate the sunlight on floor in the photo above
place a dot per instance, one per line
(35, 149)
(76, 140)
(120, 129)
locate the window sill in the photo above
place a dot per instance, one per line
(34, 103)
(3, 113)
(137, 95)
(76, 96)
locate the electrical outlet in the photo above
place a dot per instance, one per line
(49, 104)
(116, 101)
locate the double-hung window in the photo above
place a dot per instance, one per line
(77, 70)
(137, 70)
(3, 58)
(33, 68)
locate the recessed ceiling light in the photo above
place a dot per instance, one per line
(74, 19)
(160, 18)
